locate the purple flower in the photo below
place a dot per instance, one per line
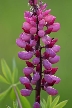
(39, 73)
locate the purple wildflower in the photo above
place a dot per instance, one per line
(33, 33)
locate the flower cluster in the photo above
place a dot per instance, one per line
(39, 72)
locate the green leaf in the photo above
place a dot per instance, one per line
(6, 71)
(3, 80)
(42, 104)
(61, 104)
(15, 72)
(4, 94)
(49, 101)
(12, 94)
(25, 103)
(55, 101)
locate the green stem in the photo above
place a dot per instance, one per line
(19, 103)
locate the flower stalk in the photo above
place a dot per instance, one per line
(19, 103)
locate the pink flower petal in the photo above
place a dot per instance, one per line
(50, 19)
(36, 60)
(41, 33)
(26, 26)
(42, 22)
(24, 80)
(55, 26)
(46, 12)
(56, 79)
(25, 55)
(51, 91)
(25, 36)
(47, 64)
(32, 43)
(25, 92)
(27, 14)
(20, 43)
(46, 39)
(36, 77)
(50, 52)
(56, 48)
(33, 30)
(48, 78)
(54, 60)
(36, 105)
(27, 70)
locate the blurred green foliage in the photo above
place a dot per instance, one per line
(11, 19)
(53, 103)
(11, 78)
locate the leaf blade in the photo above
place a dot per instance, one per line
(42, 104)
(3, 80)
(12, 94)
(61, 104)
(4, 94)
(6, 70)
(55, 101)
(49, 101)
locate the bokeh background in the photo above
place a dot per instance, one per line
(11, 19)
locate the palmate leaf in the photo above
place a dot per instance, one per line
(25, 103)
(49, 101)
(55, 101)
(15, 72)
(3, 80)
(4, 94)
(61, 104)
(6, 71)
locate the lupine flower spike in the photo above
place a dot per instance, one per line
(39, 24)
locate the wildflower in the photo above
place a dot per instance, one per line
(33, 33)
